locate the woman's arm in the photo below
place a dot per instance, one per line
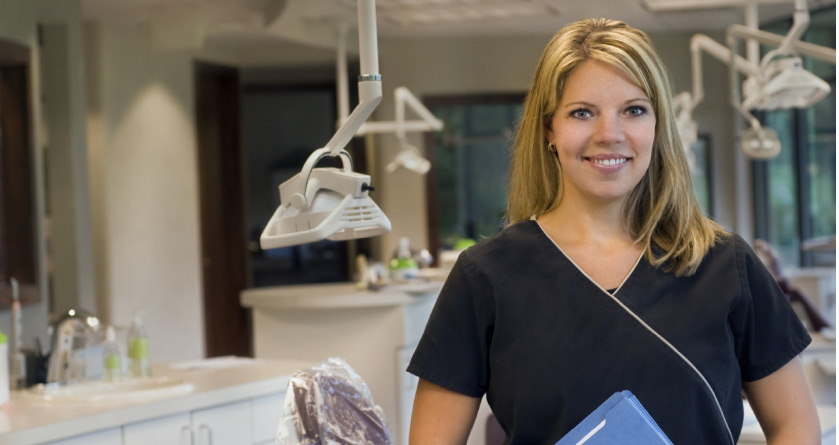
(784, 406)
(441, 416)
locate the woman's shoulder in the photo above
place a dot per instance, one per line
(731, 244)
(512, 243)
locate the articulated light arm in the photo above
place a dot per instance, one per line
(327, 203)
(370, 95)
(369, 82)
(684, 103)
(701, 42)
(767, 38)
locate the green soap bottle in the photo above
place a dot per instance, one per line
(138, 350)
(111, 357)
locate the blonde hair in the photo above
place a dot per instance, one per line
(661, 212)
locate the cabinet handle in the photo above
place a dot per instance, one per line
(209, 433)
(191, 435)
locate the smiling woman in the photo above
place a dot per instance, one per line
(608, 248)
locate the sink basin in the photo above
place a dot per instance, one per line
(122, 391)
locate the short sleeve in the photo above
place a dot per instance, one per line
(767, 332)
(454, 348)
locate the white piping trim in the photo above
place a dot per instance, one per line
(584, 272)
(592, 432)
(648, 327)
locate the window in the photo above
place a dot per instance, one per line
(470, 158)
(795, 193)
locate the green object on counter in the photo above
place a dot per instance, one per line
(113, 362)
(138, 349)
(403, 263)
(2, 337)
(463, 243)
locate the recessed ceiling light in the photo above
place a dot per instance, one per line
(690, 5)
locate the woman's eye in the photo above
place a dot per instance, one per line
(637, 110)
(581, 113)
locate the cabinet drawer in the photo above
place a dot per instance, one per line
(223, 425)
(174, 429)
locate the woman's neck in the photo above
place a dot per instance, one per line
(577, 220)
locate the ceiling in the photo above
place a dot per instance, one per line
(300, 24)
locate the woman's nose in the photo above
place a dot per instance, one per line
(609, 130)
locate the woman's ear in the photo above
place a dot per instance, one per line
(547, 126)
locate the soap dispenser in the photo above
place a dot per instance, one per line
(138, 349)
(111, 357)
(4, 369)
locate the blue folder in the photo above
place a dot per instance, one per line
(619, 420)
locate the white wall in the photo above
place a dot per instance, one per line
(144, 185)
(147, 208)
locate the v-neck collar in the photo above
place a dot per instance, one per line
(580, 269)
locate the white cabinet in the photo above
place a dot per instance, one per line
(174, 429)
(241, 423)
(105, 437)
(223, 425)
(265, 418)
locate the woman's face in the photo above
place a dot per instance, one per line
(603, 129)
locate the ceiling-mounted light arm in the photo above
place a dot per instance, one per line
(369, 92)
(771, 39)
(404, 97)
(341, 74)
(684, 103)
(800, 22)
(369, 81)
(330, 203)
(701, 42)
(734, 85)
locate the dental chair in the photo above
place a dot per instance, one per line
(772, 260)
(331, 404)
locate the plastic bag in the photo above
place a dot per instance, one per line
(331, 404)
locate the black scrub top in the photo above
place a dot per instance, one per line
(519, 322)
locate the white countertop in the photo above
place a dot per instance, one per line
(26, 420)
(337, 296)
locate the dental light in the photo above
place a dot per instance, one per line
(783, 84)
(778, 84)
(770, 84)
(332, 203)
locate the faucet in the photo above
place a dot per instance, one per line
(70, 333)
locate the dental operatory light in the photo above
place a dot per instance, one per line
(760, 143)
(780, 83)
(333, 203)
(784, 83)
(777, 81)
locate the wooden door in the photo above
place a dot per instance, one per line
(227, 325)
(18, 251)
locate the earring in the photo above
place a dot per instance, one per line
(552, 147)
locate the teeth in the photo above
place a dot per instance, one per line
(609, 162)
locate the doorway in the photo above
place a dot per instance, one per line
(18, 251)
(227, 325)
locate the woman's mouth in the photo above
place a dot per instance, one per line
(608, 162)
